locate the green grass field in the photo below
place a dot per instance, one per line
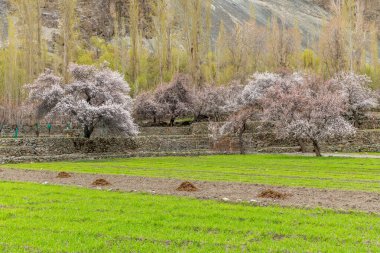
(42, 218)
(361, 174)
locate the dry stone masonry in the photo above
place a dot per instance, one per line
(152, 141)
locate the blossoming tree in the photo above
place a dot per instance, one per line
(146, 107)
(175, 99)
(93, 96)
(215, 102)
(308, 110)
(359, 96)
(249, 103)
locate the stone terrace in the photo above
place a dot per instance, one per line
(152, 141)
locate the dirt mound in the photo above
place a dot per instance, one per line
(187, 187)
(63, 175)
(271, 194)
(100, 182)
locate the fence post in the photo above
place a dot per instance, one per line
(15, 135)
(49, 126)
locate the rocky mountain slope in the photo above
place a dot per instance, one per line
(306, 13)
(96, 16)
(372, 9)
(3, 18)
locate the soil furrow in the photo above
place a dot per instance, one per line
(224, 191)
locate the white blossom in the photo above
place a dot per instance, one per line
(94, 96)
(175, 99)
(359, 96)
(311, 110)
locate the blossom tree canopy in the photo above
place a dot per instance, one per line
(93, 96)
(44, 93)
(248, 103)
(208, 102)
(261, 82)
(359, 96)
(215, 102)
(311, 110)
(175, 99)
(146, 107)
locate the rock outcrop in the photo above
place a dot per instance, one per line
(307, 14)
(3, 19)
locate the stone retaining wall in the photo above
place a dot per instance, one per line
(364, 141)
(60, 146)
(188, 140)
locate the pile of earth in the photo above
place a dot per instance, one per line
(101, 182)
(271, 194)
(187, 187)
(63, 175)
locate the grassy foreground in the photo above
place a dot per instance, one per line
(327, 172)
(42, 218)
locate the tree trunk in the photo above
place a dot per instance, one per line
(172, 121)
(317, 148)
(302, 146)
(37, 130)
(241, 139)
(356, 119)
(88, 130)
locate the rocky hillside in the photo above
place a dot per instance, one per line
(306, 13)
(3, 19)
(97, 16)
(372, 9)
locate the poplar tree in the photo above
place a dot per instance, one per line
(374, 69)
(344, 38)
(195, 10)
(13, 75)
(189, 14)
(221, 55)
(121, 44)
(209, 65)
(162, 22)
(69, 35)
(29, 30)
(134, 15)
(283, 45)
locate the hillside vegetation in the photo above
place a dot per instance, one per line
(217, 42)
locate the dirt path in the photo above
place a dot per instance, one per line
(234, 192)
(346, 155)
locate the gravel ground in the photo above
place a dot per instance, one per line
(229, 192)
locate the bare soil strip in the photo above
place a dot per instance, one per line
(229, 192)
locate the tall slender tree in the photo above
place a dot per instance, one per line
(69, 35)
(162, 22)
(134, 16)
